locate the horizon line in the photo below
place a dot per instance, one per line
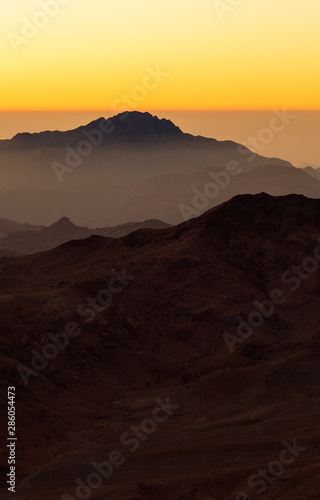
(88, 110)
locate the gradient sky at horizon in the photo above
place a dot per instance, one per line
(262, 54)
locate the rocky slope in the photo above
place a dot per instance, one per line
(157, 330)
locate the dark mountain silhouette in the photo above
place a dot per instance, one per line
(132, 127)
(163, 337)
(28, 242)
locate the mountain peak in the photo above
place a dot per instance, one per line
(135, 125)
(128, 126)
(64, 220)
(146, 122)
(63, 224)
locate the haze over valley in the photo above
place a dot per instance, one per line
(109, 165)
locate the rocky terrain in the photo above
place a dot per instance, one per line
(192, 352)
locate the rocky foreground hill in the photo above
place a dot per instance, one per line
(184, 360)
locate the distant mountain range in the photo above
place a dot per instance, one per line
(132, 167)
(21, 239)
(8, 226)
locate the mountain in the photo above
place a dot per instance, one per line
(130, 126)
(130, 227)
(136, 167)
(29, 242)
(170, 197)
(132, 148)
(215, 320)
(177, 197)
(313, 171)
(8, 226)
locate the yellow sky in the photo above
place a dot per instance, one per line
(159, 54)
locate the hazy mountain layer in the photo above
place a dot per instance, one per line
(171, 198)
(101, 170)
(29, 242)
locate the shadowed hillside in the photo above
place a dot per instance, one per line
(237, 398)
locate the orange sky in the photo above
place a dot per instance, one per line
(151, 54)
(163, 55)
